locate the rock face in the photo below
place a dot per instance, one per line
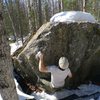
(79, 42)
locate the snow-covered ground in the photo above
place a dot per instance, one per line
(89, 91)
(14, 46)
(72, 16)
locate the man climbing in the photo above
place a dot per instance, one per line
(58, 73)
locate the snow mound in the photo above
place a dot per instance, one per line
(72, 16)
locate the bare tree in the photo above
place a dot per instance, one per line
(11, 19)
(84, 5)
(40, 13)
(52, 7)
(7, 86)
(29, 16)
(20, 21)
(60, 5)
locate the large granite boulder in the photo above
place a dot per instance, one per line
(79, 42)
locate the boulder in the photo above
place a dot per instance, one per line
(78, 41)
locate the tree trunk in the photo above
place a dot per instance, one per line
(84, 5)
(32, 16)
(60, 5)
(40, 13)
(29, 16)
(12, 22)
(52, 7)
(7, 86)
(20, 21)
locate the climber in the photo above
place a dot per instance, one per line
(58, 74)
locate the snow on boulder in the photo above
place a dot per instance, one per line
(72, 16)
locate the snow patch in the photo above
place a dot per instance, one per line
(44, 96)
(1, 97)
(72, 16)
(14, 46)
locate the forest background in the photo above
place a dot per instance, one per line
(22, 17)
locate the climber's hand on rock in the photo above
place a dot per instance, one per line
(39, 55)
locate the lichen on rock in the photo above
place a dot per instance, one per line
(79, 42)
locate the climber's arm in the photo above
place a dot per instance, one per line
(42, 67)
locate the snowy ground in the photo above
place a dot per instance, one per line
(15, 46)
(84, 92)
